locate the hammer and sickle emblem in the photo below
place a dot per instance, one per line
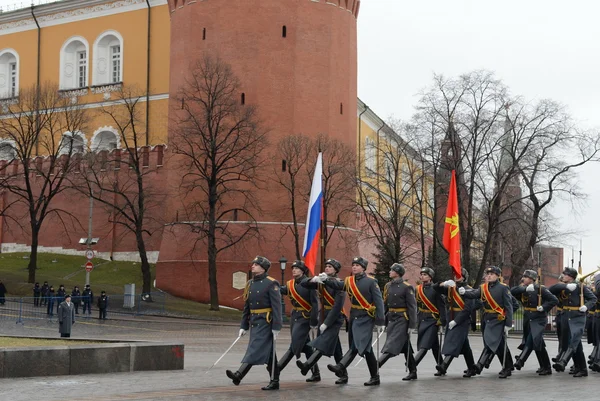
(453, 221)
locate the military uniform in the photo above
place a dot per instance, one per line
(595, 356)
(534, 324)
(573, 323)
(262, 316)
(497, 306)
(367, 311)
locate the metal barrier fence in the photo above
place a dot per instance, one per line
(21, 309)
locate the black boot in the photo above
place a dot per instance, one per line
(273, 385)
(237, 376)
(384, 358)
(412, 368)
(561, 364)
(443, 367)
(305, 367)
(521, 359)
(545, 366)
(419, 356)
(340, 368)
(372, 364)
(285, 359)
(481, 363)
(316, 374)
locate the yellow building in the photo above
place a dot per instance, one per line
(91, 49)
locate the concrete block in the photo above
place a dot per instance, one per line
(109, 358)
(157, 356)
(28, 362)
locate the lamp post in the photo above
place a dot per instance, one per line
(282, 263)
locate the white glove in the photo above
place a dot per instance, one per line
(275, 333)
(451, 325)
(322, 327)
(583, 308)
(449, 283)
(313, 332)
(323, 276)
(507, 329)
(242, 332)
(571, 286)
(380, 329)
(540, 308)
(316, 279)
(462, 291)
(530, 288)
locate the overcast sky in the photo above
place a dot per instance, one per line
(540, 49)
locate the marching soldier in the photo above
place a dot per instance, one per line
(262, 316)
(498, 314)
(303, 318)
(457, 332)
(557, 322)
(367, 311)
(595, 356)
(536, 304)
(401, 312)
(432, 318)
(575, 305)
(328, 341)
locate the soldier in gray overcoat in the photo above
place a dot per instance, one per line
(572, 320)
(366, 312)
(401, 312)
(459, 311)
(66, 317)
(303, 319)
(328, 341)
(595, 356)
(262, 316)
(536, 305)
(498, 317)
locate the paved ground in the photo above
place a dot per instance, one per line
(204, 343)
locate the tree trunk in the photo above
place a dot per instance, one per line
(212, 249)
(33, 255)
(146, 276)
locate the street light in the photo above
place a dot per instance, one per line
(282, 263)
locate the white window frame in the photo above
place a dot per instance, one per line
(70, 63)
(11, 143)
(96, 145)
(103, 71)
(65, 150)
(9, 80)
(370, 155)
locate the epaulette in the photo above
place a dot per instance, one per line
(271, 278)
(506, 285)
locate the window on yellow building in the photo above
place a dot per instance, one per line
(370, 156)
(104, 140)
(74, 66)
(9, 74)
(72, 143)
(7, 150)
(108, 59)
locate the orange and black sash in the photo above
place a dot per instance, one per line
(294, 294)
(352, 289)
(456, 298)
(487, 297)
(330, 300)
(425, 300)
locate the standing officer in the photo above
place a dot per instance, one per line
(536, 304)
(457, 332)
(45, 289)
(37, 293)
(497, 315)
(328, 341)
(303, 318)
(88, 298)
(575, 305)
(76, 298)
(432, 317)
(66, 317)
(401, 312)
(366, 311)
(262, 312)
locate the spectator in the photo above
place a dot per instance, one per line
(37, 293)
(2, 293)
(50, 299)
(45, 289)
(102, 305)
(66, 317)
(60, 295)
(76, 299)
(88, 298)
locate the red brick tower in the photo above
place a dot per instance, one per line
(297, 61)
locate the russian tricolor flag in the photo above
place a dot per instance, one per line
(312, 231)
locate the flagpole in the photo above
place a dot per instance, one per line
(323, 234)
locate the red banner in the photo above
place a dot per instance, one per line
(452, 229)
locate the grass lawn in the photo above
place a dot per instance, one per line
(108, 276)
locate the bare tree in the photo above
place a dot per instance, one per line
(219, 142)
(121, 178)
(42, 138)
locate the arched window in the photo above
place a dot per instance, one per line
(74, 63)
(72, 143)
(108, 59)
(9, 74)
(104, 139)
(7, 150)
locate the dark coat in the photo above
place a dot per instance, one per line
(66, 317)
(398, 294)
(327, 341)
(103, 301)
(301, 320)
(494, 322)
(456, 340)
(361, 322)
(534, 322)
(429, 322)
(2, 289)
(261, 292)
(572, 320)
(87, 296)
